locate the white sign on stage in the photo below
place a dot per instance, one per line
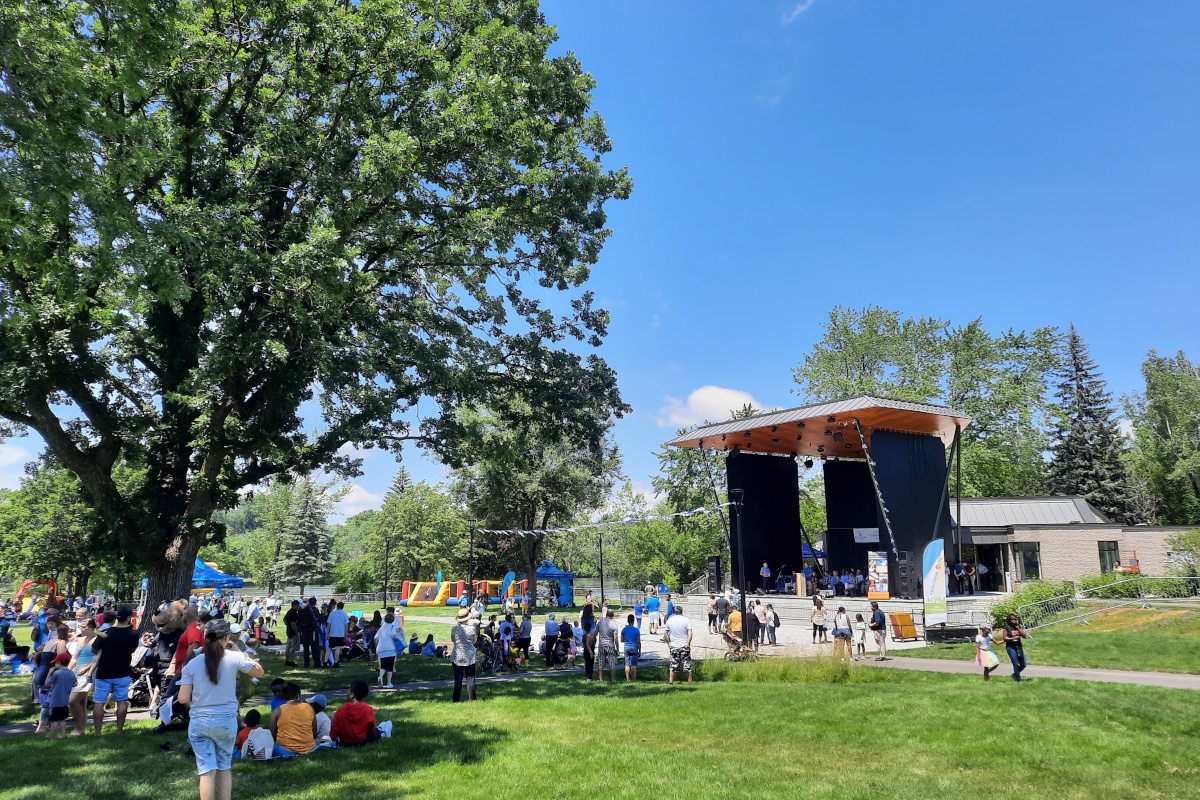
(866, 535)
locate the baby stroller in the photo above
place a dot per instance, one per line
(355, 649)
(560, 653)
(736, 649)
(491, 657)
(143, 679)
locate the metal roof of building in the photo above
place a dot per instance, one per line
(1000, 512)
(834, 408)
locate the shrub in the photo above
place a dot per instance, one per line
(1031, 592)
(1114, 586)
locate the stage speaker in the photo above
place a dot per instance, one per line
(907, 575)
(714, 575)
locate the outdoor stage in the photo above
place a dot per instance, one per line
(794, 611)
(887, 491)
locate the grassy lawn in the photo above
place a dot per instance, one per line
(1160, 640)
(783, 730)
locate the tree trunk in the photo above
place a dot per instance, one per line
(271, 581)
(171, 576)
(531, 553)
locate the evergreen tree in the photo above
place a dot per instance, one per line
(1087, 443)
(306, 544)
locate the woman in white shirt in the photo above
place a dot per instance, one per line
(208, 683)
(385, 648)
(841, 633)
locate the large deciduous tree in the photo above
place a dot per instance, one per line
(1166, 420)
(212, 212)
(522, 471)
(1001, 382)
(48, 531)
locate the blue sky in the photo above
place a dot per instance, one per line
(1027, 163)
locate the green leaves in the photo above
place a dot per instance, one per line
(212, 212)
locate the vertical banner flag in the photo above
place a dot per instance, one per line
(877, 574)
(935, 582)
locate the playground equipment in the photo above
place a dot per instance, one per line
(28, 595)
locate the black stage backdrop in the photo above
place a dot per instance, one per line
(850, 503)
(770, 513)
(911, 470)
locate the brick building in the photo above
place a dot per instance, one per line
(1055, 538)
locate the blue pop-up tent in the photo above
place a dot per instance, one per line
(810, 553)
(566, 582)
(206, 577)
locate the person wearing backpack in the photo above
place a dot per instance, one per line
(772, 624)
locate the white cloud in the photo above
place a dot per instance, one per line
(359, 499)
(790, 16)
(712, 403)
(11, 454)
(1126, 426)
(646, 490)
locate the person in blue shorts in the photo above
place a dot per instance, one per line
(631, 637)
(115, 647)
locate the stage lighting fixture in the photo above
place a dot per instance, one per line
(746, 434)
(829, 433)
(774, 428)
(774, 441)
(808, 463)
(832, 419)
(837, 436)
(799, 424)
(799, 437)
(722, 437)
(821, 449)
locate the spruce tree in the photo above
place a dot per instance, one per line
(1087, 442)
(306, 543)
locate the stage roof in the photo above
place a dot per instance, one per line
(810, 430)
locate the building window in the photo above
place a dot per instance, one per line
(1029, 561)
(1108, 556)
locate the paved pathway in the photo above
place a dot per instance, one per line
(1168, 680)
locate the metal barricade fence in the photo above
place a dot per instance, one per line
(1085, 603)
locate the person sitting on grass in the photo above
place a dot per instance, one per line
(414, 645)
(354, 723)
(278, 689)
(429, 649)
(293, 726)
(250, 722)
(255, 741)
(58, 685)
(318, 703)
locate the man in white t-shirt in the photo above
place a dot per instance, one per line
(338, 620)
(679, 639)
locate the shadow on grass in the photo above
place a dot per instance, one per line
(133, 766)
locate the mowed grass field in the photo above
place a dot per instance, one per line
(779, 728)
(1158, 640)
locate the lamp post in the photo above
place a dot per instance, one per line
(471, 571)
(741, 570)
(387, 563)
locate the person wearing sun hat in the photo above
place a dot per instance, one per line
(462, 639)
